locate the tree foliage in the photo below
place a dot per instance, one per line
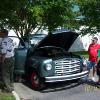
(24, 16)
(90, 10)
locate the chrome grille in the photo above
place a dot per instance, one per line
(66, 66)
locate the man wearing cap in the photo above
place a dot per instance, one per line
(92, 51)
(7, 60)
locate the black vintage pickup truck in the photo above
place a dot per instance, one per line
(46, 59)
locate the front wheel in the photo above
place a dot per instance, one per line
(36, 82)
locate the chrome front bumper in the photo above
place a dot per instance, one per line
(67, 77)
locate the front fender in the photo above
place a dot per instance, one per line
(40, 66)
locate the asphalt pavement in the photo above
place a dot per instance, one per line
(79, 92)
(85, 90)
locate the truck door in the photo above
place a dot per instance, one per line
(20, 59)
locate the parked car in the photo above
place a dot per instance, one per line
(49, 61)
(34, 39)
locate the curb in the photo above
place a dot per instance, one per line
(16, 95)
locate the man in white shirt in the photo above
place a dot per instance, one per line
(7, 60)
(0, 57)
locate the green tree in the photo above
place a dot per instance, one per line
(90, 10)
(23, 16)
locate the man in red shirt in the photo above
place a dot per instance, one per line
(92, 51)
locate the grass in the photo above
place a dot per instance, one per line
(6, 96)
(82, 53)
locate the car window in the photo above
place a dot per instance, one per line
(35, 39)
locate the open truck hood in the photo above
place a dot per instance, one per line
(60, 38)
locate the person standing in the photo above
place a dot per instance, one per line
(7, 60)
(97, 66)
(0, 58)
(92, 51)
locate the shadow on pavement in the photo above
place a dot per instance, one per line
(52, 87)
(90, 82)
(61, 86)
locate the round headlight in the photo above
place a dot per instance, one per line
(48, 66)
